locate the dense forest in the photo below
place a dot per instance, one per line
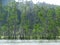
(26, 20)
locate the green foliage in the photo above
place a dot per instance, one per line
(29, 21)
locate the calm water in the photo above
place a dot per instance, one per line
(29, 42)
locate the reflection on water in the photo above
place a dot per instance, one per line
(29, 42)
